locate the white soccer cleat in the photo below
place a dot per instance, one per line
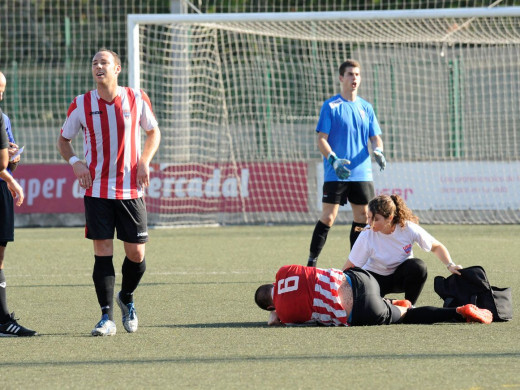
(104, 327)
(129, 313)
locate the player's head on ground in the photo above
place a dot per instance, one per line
(264, 297)
(106, 66)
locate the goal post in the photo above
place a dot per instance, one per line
(238, 97)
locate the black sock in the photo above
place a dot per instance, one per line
(431, 315)
(355, 231)
(319, 236)
(4, 313)
(132, 274)
(104, 278)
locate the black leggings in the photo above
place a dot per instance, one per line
(409, 278)
(431, 315)
(368, 306)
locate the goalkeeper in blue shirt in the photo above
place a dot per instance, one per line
(347, 123)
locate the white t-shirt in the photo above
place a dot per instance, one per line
(383, 253)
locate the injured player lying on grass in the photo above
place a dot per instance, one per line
(314, 296)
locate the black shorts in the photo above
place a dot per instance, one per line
(369, 308)
(339, 192)
(6, 213)
(127, 216)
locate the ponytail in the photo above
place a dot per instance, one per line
(402, 212)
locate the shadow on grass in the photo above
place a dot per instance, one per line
(217, 325)
(266, 358)
(172, 326)
(167, 283)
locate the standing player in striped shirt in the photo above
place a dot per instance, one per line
(314, 296)
(113, 177)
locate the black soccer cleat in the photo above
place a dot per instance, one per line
(312, 262)
(12, 329)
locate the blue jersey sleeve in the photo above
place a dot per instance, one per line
(4, 142)
(324, 122)
(374, 128)
(8, 129)
(10, 138)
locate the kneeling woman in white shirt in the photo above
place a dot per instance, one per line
(385, 248)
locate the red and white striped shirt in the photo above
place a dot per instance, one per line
(308, 295)
(112, 138)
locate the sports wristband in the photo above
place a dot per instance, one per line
(331, 157)
(450, 264)
(73, 160)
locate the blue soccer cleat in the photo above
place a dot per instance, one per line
(130, 321)
(104, 327)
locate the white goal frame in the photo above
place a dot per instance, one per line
(133, 21)
(478, 212)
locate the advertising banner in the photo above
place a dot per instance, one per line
(180, 188)
(473, 185)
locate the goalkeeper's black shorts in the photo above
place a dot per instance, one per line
(341, 192)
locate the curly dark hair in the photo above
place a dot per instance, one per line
(387, 205)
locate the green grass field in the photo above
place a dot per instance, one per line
(199, 326)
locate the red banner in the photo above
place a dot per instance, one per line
(180, 188)
(48, 189)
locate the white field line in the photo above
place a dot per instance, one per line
(171, 273)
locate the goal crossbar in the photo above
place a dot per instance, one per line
(317, 16)
(133, 21)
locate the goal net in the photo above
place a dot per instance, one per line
(238, 97)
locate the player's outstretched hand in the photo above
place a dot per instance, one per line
(380, 158)
(339, 166)
(454, 268)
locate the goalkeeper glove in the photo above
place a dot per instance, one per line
(380, 158)
(339, 165)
